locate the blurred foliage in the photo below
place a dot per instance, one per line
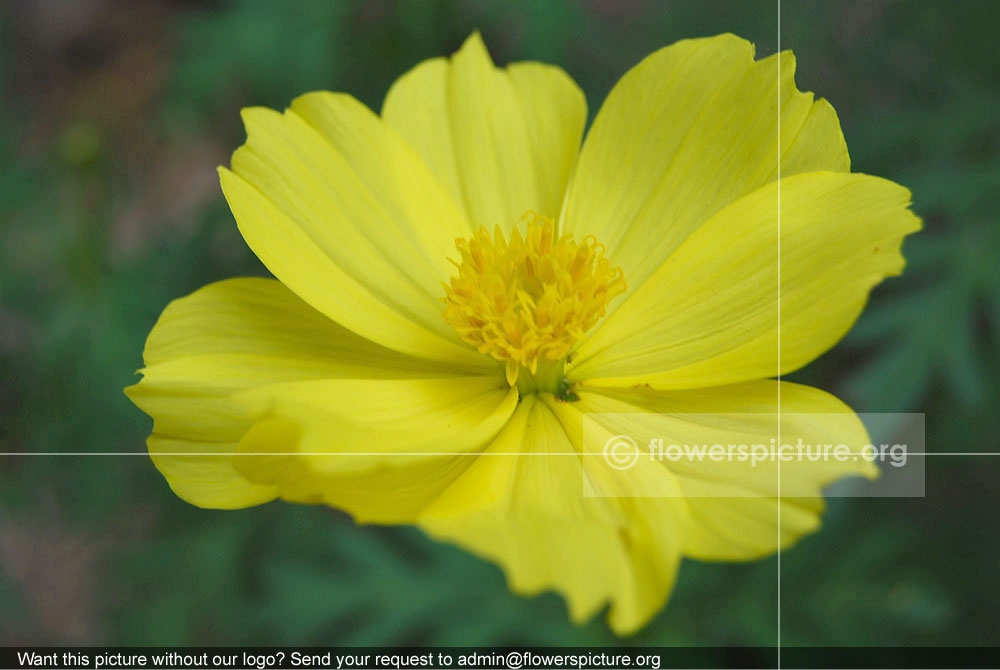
(114, 117)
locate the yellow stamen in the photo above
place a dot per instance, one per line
(532, 298)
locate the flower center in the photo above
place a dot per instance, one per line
(528, 300)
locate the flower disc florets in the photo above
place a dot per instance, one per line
(530, 299)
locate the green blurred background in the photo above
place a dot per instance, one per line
(114, 115)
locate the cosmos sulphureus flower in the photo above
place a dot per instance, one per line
(460, 280)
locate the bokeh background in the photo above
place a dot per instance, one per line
(113, 118)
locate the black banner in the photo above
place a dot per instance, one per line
(493, 658)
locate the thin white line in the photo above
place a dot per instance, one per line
(694, 457)
(302, 453)
(779, 330)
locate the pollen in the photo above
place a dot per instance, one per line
(526, 301)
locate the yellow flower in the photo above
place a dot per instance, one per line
(395, 373)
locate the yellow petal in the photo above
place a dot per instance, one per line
(202, 473)
(709, 315)
(229, 337)
(385, 495)
(522, 504)
(733, 503)
(381, 450)
(355, 425)
(347, 216)
(690, 129)
(501, 141)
